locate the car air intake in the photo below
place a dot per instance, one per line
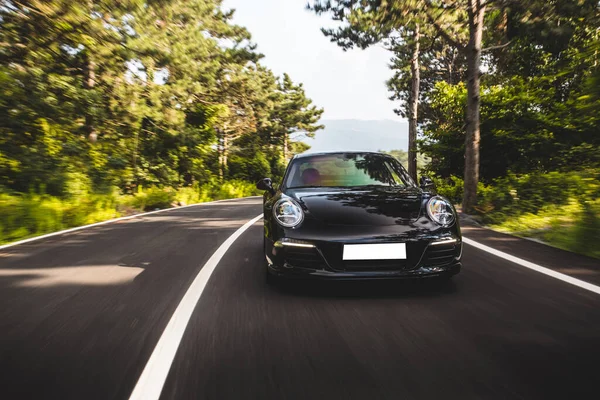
(303, 257)
(440, 254)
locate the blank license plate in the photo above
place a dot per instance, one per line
(382, 251)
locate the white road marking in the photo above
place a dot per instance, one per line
(535, 267)
(111, 221)
(151, 382)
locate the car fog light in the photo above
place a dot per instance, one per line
(293, 243)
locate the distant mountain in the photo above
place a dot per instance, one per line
(354, 134)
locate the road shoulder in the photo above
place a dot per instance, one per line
(578, 266)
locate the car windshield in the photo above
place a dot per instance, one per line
(346, 170)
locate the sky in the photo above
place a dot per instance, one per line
(348, 85)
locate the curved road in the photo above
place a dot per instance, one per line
(82, 313)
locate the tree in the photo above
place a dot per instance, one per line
(135, 92)
(283, 115)
(460, 23)
(535, 107)
(45, 56)
(293, 114)
(370, 23)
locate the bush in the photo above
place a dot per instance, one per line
(249, 169)
(451, 188)
(517, 194)
(26, 215)
(153, 198)
(562, 209)
(514, 195)
(216, 191)
(76, 185)
(579, 231)
(235, 189)
(190, 195)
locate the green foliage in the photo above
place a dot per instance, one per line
(249, 169)
(27, 215)
(154, 198)
(540, 102)
(574, 226)
(450, 187)
(562, 209)
(524, 129)
(585, 231)
(514, 195)
(443, 134)
(233, 189)
(111, 107)
(76, 185)
(127, 93)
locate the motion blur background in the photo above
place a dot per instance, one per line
(111, 107)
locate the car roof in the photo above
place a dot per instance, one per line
(324, 153)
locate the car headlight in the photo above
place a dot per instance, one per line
(440, 211)
(288, 213)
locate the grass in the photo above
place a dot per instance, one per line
(28, 215)
(574, 227)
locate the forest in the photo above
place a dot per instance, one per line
(503, 98)
(109, 107)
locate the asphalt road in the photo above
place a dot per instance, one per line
(81, 313)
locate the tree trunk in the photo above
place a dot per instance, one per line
(220, 152)
(472, 137)
(413, 106)
(135, 156)
(225, 154)
(89, 83)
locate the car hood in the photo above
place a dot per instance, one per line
(372, 206)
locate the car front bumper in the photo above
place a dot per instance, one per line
(322, 260)
(418, 273)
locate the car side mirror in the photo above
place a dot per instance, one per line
(426, 183)
(265, 184)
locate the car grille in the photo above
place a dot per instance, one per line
(333, 254)
(440, 254)
(375, 265)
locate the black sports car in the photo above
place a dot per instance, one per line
(356, 215)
